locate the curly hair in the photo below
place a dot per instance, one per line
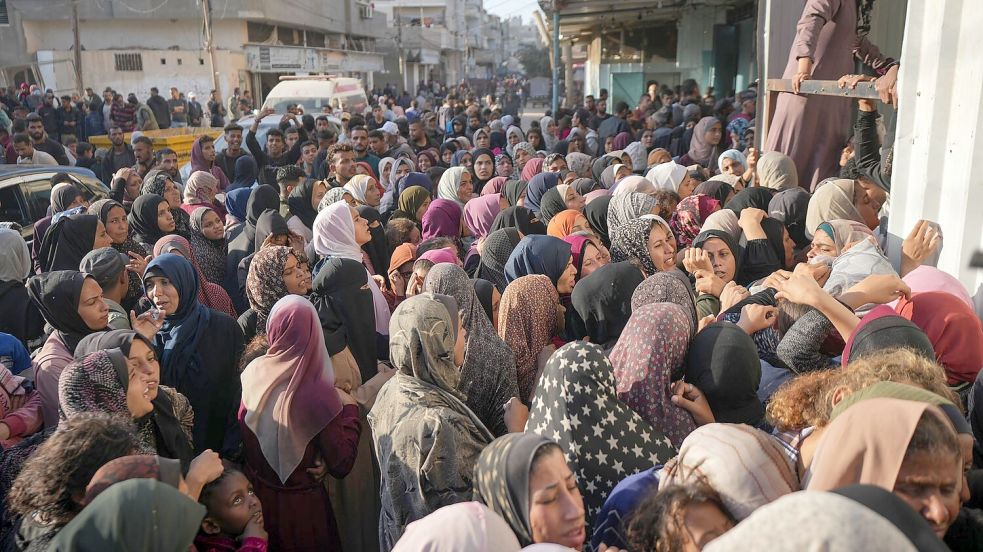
(666, 202)
(807, 400)
(658, 522)
(54, 479)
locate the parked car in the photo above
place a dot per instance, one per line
(268, 122)
(25, 192)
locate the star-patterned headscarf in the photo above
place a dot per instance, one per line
(576, 405)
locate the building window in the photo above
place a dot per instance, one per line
(129, 62)
(163, 61)
(4, 15)
(201, 61)
(180, 61)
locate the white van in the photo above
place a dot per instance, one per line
(313, 92)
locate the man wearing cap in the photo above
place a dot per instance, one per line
(396, 146)
(195, 111)
(108, 267)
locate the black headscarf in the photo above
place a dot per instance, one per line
(898, 512)
(484, 290)
(344, 306)
(57, 295)
(497, 247)
(378, 247)
(67, 241)
(262, 198)
(585, 186)
(756, 197)
(300, 205)
(880, 330)
(723, 364)
(601, 163)
(477, 182)
(434, 173)
(513, 191)
(596, 213)
(521, 218)
(551, 205)
(736, 250)
(790, 207)
(143, 219)
(602, 302)
(775, 231)
(717, 189)
(171, 440)
(270, 223)
(63, 197)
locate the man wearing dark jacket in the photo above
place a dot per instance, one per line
(43, 142)
(276, 154)
(613, 126)
(162, 112)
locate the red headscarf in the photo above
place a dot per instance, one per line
(532, 167)
(953, 328)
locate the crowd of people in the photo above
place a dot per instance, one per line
(436, 328)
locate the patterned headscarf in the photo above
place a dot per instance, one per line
(527, 321)
(630, 242)
(665, 287)
(138, 466)
(264, 283)
(487, 377)
(199, 187)
(648, 357)
(739, 127)
(603, 441)
(624, 208)
(502, 479)
(497, 248)
(210, 254)
(688, 218)
(334, 195)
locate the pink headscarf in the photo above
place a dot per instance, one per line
(289, 393)
(480, 213)
(494, 186)
(532, 167)
(198, 163)
(443, 255)
(929, 278)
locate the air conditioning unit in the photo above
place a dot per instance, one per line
(366, 10)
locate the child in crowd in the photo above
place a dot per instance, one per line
(235, 517)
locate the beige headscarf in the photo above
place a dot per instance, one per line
(777, 171)
(830, 202)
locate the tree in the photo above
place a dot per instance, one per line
(535, 60)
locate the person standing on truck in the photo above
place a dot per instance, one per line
(162, 111)
(179, 109)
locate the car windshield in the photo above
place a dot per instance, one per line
(310, 105)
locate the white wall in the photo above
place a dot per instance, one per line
(124, 34)
(694, 51)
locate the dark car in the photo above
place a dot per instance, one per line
(25, 192)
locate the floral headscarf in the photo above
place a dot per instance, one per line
(264, 284)
(688, 218)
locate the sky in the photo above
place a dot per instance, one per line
(511, 8)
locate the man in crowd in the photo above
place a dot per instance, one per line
(276, 154)
(120, 155)
(419, 140)
(107, 107)
(377, 119)
(27, 154)
(195, 111)
(167, 162)
(613, 126)
(360, 143)
(145, 117)
(378, 143)
(226, 159)
(178, 108)
(162, 112)
(308, 153)
(342, 160)
(70, 119)
(123, 114)
(143, 150)
(288, 177)
(600, 115)
(43, 142)
(49, 113)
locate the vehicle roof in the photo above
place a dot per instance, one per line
(302, 88)
(17, 170)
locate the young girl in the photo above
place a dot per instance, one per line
(235, 517)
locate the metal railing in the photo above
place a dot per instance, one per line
(773, 87)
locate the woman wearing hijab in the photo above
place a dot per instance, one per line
(199, 191)
(426, 347)
(559, 199)
(498, 247)
(113, 216)
(414, 179)
(366, 191)
(725, 221)
(235, 209)
(271, 229)
(150, 219)
(291, 414)
(596, 213)
(245, 174)
(515, 192)
(261, 199)
(210, 294)
(377, 249)
(648, 360)
(954, 329)
(203, 159)
(479, 215)
(543, 255)
(688, 218)
(506, 480)
(159, 182)
(21, 318)
(65, 196)
(532, 167)
(504, 165)
(455, 185)
(425, 159)
(303, 202)
(413, 204)
(122, 515)
(723, 364)
(732, 162)
(198, 349)
(102, 379)
(704, 148)
(513, 135)
(69, 239)
(548, 130)
(776, 171)
(647, 241)
(790, 207)
(538, 186)
(717, 189)
(488, 377)
(385, 169)
(893, 444)
(462, 159)
(208, 244)
(274, 273)
(72, 305)
(495, 186)
(576, 404)
(442, 219)
(665, 287)
(626, 207)
(401, 167)
(841, 199)
(566, 223)
(339, 231)
(602, 303)
(483, 168)
(462, 526)
(530, 315)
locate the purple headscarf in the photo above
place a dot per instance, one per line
(443, 219)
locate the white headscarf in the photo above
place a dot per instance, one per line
(358, 185)
(667, 176)
(450, 181)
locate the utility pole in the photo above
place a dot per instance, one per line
(556, 57)
(209, 45)
(77, 46)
